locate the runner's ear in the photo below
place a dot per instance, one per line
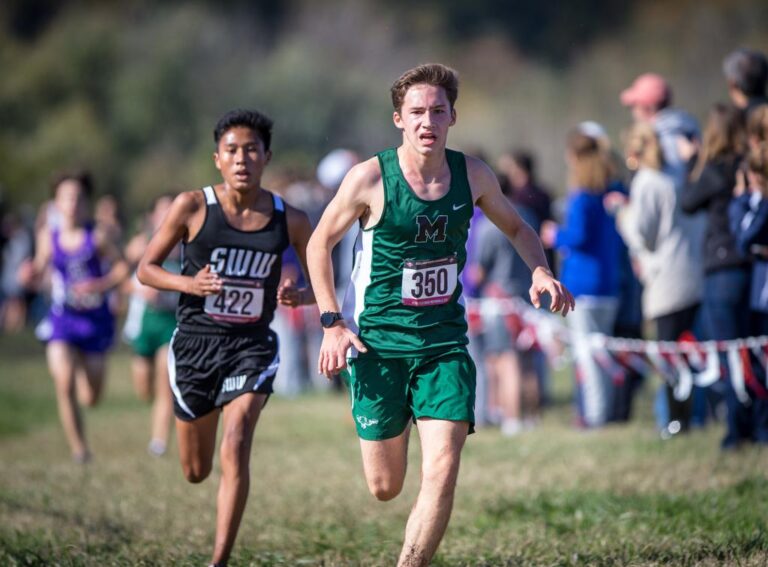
(398, 120)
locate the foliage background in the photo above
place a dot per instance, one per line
(132, 89)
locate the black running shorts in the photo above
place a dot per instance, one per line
(207, 371)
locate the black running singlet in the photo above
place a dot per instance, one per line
(249, 262)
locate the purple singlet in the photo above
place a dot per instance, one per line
(80, 319)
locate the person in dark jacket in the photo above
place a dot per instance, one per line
(711, 190)
(749, 223)
(727, 271)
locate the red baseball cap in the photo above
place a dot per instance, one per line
(649, 89)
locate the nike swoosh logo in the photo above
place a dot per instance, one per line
(457, 207)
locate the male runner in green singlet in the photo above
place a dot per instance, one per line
(404, 321)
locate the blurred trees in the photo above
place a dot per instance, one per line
(132, 90)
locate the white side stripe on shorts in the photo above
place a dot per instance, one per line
(270, 370)
(172, 377)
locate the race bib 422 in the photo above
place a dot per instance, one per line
(240, 301)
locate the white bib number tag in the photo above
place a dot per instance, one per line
(240, 301)
(84, 301)
(429, 282)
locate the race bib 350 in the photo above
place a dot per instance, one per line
(429, 282)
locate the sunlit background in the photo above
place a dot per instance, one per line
(132, 89)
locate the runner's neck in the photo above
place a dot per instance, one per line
(424, 168)
(243, 200)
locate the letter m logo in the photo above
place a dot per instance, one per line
(428, 230)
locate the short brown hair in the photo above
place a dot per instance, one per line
(433, 74)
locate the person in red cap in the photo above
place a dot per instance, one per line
(650, 98)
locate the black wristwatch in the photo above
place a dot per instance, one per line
(328, 318)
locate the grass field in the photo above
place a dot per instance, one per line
(553, 496)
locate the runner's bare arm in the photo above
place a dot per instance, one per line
(299, 231)
(487, 195)
(43, 250)
(31, 271)
(188, 209)
(351, 203)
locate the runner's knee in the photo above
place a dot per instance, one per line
(196, 472)
(440, 471)
(384, 488)
(89, 397)
(235, 446)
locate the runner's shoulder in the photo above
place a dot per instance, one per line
(480, 175)
(478, 168)
(364, 175)
(188, 202)
(360, 184)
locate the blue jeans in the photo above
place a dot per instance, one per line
(726, 304)
(726, 317)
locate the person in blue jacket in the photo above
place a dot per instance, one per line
(590, 247)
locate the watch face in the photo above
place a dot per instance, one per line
(328, 319)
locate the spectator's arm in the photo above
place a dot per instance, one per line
(698, 193)
(650, 206)
(737, 209)
(487, 248)
(756, 232)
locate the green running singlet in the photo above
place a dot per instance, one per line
(405, 297)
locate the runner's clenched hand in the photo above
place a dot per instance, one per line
(206, 282)
(333, 351)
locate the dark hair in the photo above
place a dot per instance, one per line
(747, 70)
(253, 119)
(80, 176)
(525, 161)
(433, 74)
